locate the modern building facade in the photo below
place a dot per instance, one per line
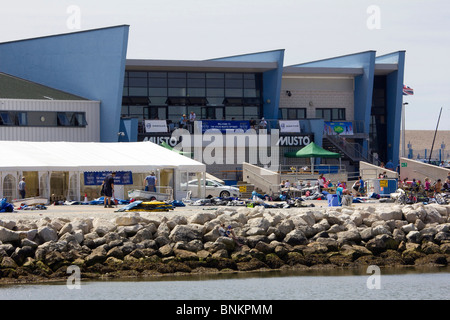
(358, 96)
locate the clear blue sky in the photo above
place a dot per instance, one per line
(308, 30)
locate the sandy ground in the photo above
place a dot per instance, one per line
(98, 211)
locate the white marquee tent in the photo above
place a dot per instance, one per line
(78, 157)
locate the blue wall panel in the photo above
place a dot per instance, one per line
(90, 64)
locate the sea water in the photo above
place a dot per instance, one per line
(361, 284)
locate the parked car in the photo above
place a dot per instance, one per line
(214, 189)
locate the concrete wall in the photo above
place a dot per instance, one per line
(370, 171)
(415, 169)
(266, 180)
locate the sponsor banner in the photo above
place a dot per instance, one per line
(294, 140)
(224, 126)
(340, 128)
(155, 126)
(289, 126)
(171, 141)
(96, 178)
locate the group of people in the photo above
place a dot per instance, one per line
(436, 187)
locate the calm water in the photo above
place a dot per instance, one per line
(393, 284)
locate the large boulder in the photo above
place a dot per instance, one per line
(186, 232)
(7, 235)
(295, 237)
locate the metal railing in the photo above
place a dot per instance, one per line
(351, 149)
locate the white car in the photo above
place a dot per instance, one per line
(214, 189)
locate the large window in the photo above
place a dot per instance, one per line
(331, 114)
(292, 113)
(211, 95)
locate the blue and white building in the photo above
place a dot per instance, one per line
(361, 93)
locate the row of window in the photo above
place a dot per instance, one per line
(328, 114)
(43, 119)
(158, 86)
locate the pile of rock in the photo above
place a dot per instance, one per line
(136, 244)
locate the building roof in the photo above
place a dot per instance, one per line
(12, 87)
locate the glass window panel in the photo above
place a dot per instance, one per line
(137, 82)
(233, 75)
(157, 74)
(341, 114)
(180, 75)
(233, 93)
(234, 83)
(175, 113)
(177, 83)
(136, 110)
(292, 114)
(251, 111)
(63, 120)
(215, 75)
(234, 112)
(137, 74)
(157, 92)
(139, 92)
(124, 112)
(177, 92)
(196, 75)
(327, 114)
(301, 113)
(125, 91)
(196, 83)
(250, 93)
(157, 82)
(335, 114)
(249, 84)
(219, 113)
(79, 119)
(215, 83)
(21, 118)
(215, 92)
(249, 76)
(196, 92)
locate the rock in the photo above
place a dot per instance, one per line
(7, 235)
(409, 227)
(410, 214)
(348, 236)
(295, 237)
(102, 226)
(201, 217)
(127, 220)
(8, 224)
(259, 223)
(98, 255)
(186, 233)
(414, 236)
(47, 234)
(67, 228)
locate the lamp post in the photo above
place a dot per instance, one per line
(403, 129)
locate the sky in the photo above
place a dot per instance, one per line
(308, 30)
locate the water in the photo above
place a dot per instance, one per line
(352, 285)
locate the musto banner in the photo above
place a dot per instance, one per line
(96, 178)
(340, 128)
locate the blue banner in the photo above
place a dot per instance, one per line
(96, 178)
(225, 125)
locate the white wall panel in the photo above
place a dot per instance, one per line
(90, 133)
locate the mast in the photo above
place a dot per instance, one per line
(437, 125)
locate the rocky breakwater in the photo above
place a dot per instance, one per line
(141, 245)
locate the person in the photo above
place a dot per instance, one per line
(446, 186)
(427, 184)
(438, 186)
(287, 184)
(360, 184)
(150, 182)
(192, 117)
(108, 184)
(263, 123)
(183, 122)
(321, 181)
(229, 233)
(22, 188)
(441, 164)
(389, 165)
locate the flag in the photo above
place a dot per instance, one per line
(407, 91)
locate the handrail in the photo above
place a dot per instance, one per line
(351, 149)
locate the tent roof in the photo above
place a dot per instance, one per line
(91, 156)
(312, 150)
